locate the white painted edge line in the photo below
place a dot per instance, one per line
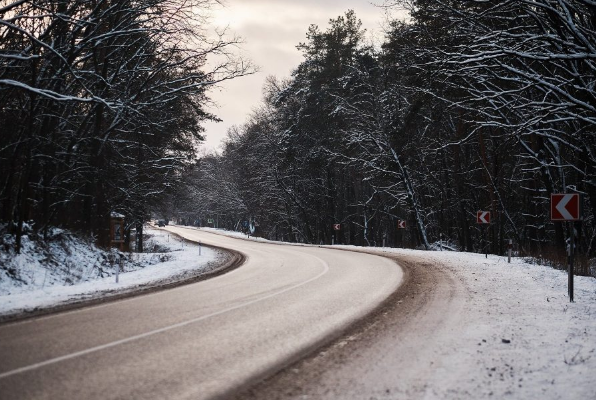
(160, 330)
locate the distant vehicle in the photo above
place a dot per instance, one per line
(161, 223)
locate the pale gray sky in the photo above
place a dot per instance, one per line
(271, 30)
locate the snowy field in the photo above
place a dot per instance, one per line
(83, 272)
(517, 335)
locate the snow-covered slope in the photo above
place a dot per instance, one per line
(66, 268)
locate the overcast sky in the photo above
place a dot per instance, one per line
(271, 30)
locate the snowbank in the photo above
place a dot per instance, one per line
(67, 269)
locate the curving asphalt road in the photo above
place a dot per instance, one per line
(203, 340)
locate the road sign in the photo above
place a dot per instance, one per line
(567, 207)
(336, 227)
(210, 221)
(483, 217)
(564, 207)
(401, 224)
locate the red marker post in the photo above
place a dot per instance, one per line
(566, 207)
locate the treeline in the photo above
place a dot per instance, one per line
(101, 103)
(470, 105)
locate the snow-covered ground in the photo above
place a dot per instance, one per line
(519, 336)
(80, 271)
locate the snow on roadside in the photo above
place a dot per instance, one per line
(552, 349)
(518, 335)
(38, 287)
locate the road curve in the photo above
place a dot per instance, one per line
(203, 340)
(396, 352)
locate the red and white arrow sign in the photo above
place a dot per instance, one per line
(336, 227)
(483, 217)
(401, 224)
(564, 207)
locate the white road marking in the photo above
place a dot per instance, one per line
(160, 330)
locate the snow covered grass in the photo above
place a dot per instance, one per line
(519, 335)
(66, 269)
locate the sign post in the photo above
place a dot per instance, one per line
(483, 218)
(336, 228)
(509, 248)
(117, 237)
(401, 225)
(117, 230)
(567, 207)
(571, 266)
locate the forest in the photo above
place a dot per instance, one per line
(466, 106)
(101, 105)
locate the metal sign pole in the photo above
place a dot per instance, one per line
(571, 256)
(567, 207)
(484, 241)
(510, 245)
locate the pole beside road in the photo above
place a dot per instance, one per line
(571, 266)
(566, 207)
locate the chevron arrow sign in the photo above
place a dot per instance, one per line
(483, 217)
(565, 207)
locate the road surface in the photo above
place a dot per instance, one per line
(399, 352)
(203, 340)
